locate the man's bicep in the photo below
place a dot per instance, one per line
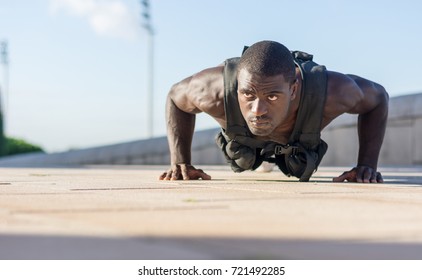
(181, 96)
(343, 96)
(371, 95)
(199, 92)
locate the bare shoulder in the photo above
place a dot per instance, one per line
(201, 92)
(350, 94)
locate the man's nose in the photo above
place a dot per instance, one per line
(259, 107)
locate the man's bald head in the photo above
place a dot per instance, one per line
(268, 58)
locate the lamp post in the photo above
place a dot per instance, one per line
(148, 27)
(4, 59)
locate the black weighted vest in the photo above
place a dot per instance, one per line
(302, 154)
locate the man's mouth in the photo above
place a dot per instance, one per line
(259, 122)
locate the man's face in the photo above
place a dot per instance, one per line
(264, 101)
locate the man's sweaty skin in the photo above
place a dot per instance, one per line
(269, 105)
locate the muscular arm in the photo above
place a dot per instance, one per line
(180, 128)
(201, 92)
(356, 95)
(372, 121)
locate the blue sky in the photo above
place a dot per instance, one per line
(78, 68)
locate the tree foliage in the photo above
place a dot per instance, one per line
(14, 146)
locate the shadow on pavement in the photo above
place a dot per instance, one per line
(45, 247)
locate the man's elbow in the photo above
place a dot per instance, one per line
(173, 91)
(179, 89)
(383, 100)
(383, 94)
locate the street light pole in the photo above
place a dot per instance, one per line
(4, 93)
(4, 59)
(148, 27)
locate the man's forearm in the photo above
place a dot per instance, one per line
(371, 129)
(180, 128)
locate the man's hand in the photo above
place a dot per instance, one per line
(360, 174)
(184, 172)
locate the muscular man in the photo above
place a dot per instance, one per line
(272, 106)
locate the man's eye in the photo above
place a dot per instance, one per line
(272, 97)
(248, 95)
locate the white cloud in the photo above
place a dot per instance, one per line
(111, 18)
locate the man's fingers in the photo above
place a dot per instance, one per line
(368, 175)
(374, 177)
(197, 174)
(185, 175)
(379, 178)
(162, 176)
(341, 178)
(176, 174)
(200, 174)
(360, 175)
(168, 175)
(349, 176)
(205, 176)
(184, 172)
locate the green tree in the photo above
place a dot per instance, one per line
(14, 146)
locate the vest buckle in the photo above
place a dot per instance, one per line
(292, 150)
(278, 150)
(285, 150)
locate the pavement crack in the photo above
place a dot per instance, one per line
(111, 210)
(131, 189)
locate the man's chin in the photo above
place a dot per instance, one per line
(260, 131)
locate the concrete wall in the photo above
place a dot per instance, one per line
(402, 143)
(401, 146)
(149, 151)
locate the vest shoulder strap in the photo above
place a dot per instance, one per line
(235, 123)
(307, 129)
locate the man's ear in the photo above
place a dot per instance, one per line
(293, 88)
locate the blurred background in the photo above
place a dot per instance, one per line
(77, 73)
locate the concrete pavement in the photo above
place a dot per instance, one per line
(124, 212)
